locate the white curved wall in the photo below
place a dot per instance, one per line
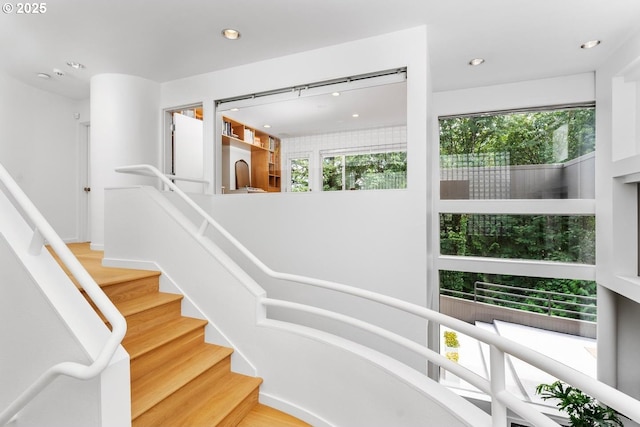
(318, 377)
(125, 123)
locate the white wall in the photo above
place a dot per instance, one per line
(41, 342)
(373, 241)
(39, 138)
(125, 130)
(45, 321)
(398, 218)
(399, 49)
(320, 378)
(618, 155)
(534, 93)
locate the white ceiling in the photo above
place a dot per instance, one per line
(164, 40)
(368, 107)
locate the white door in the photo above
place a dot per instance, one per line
(84, 213)
(188, 151)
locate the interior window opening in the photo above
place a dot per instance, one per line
(365, 170)
(345, 128)
(184, 148)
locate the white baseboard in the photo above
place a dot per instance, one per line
(125, 263)
(96, 246)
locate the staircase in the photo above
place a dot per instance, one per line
(177, 379)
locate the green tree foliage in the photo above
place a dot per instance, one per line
(537, 237)
(373, 171)
(300, 175)
(527, 137)
(332, 173)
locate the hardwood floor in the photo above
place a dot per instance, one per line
(177, 379)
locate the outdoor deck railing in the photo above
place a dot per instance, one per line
(501, 398)
(43, 232)
(556, 304)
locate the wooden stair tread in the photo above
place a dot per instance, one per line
(103, 276)
(106, 276)
(139, 344)
(222, 396)
(145, 302)
(266, 416)
(151, 389)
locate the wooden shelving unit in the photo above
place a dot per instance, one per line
(264, 152)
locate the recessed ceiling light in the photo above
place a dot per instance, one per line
(76, 65)
(590, 44)
(231, 34)
(266, 126)
(235, 109)
(44, 76)
(355, 115)
(58, 72)
(335, 94)
(476, 61)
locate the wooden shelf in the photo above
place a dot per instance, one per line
(263, 149)
(230, 140)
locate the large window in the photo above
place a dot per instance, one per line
(535, 237)
(364, 171)
(517, 229)
(525, 155)
(535, 157)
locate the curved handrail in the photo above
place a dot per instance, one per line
(604, 393)
(44, 232)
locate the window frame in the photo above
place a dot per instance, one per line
(287, 170)
(354, 151)
(557, 207)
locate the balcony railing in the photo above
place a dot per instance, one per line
(538, 301)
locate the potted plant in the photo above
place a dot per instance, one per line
(451, 345)
(583, 410)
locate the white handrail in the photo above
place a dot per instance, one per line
(173, 177)
(44, 232)
(604, 393)
(181, 178)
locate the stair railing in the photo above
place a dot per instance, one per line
(501, 398)
(43, 232)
